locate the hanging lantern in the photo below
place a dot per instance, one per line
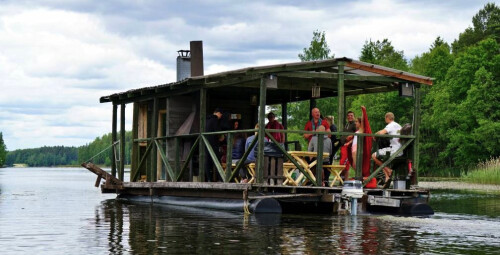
(316, 91)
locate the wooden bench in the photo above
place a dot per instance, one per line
(288, 169)
(335, 170)
(251, 170)
(233, 166)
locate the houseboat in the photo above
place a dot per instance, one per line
(171, 143)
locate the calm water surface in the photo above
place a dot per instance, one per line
(58, 211)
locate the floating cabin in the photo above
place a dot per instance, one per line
(170, 143)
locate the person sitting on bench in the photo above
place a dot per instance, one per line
(392, 128)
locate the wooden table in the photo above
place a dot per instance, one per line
(300, 157)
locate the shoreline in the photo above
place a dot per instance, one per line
(456, 185)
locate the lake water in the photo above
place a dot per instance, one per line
(59, 211)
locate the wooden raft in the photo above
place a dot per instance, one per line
(111, 182)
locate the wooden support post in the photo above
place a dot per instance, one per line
(416, 125)
(164, 158)
(284, 118)
(122, 142)
(113, 140)
(291, 159)
(229, 156)
(177, 166)
(216, 160)
(136, 174)
(319, 160)
(359, 158)
(188, 158)
(341, 96)
(201, 147)
(154, 132)
(260, 146)
(135, 145)
(312, 104)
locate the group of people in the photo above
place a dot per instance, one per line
(348, 144)
(331, 144)
(241, 143)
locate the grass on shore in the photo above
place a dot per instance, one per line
(487, 172)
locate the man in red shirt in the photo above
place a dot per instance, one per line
(274, 124)
(314, 123)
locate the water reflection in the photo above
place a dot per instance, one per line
(58, 211)
(141, 228)
(151, 229)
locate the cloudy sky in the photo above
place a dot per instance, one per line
(57, 57)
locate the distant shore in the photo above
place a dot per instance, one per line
(455, 185)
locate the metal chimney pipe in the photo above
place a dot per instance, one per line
(196, 48)
(183, 65)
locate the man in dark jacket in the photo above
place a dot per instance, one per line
(213, 124)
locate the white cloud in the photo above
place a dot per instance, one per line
(58, 57)
(57, 65)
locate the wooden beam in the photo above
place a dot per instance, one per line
(359, 158)
(312, 65)
(214, 157)
(284, 117)
(201, 150)
(400, 75)
(135, 132)
(134, 177)
(285, 153)
(164, 158)
(190, 155)
(229, 156)
(154, 133)
(341, 96)
(114, 139)
(416, 133)
(259, 171)
(319, 160)
(122, 142)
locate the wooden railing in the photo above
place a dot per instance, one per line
(175, 173)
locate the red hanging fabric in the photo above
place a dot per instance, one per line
(367, 144)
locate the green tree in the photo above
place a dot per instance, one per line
(383, 53)
(318, 49)
(466, 106)
(3, 151)
(434, 63)
(485, 24)
(298, 112)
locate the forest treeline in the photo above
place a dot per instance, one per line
(460, 112)
(63, 155)
(44, 156)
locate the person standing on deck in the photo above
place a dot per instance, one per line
(213, 124)
(274, 124)
(350, 126)
(392, 128)
(354, 142)
(314, 123)
(327, 147)
(335, 141)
